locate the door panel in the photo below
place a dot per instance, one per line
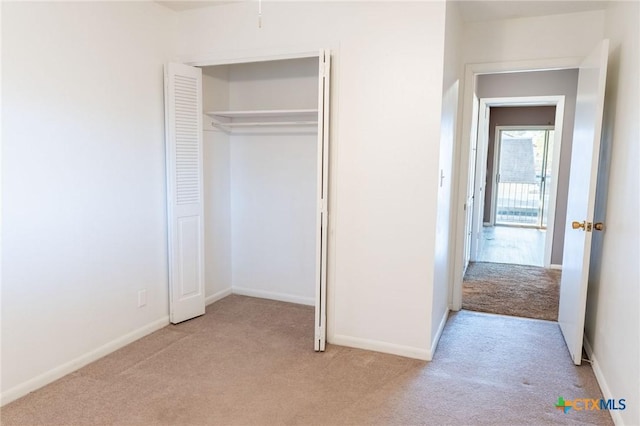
(183, 126)
(474, 189)
(189, 231)
(581, 198)
(324, 74)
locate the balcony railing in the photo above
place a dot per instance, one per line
(519, 204)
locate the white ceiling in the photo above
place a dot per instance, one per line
(471, 10)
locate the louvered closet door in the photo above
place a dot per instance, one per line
(183, 116)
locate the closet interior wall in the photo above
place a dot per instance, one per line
(260, 182)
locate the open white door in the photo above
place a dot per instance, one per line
(322, 194)
(474, 183)
(581, 198)
(183, 127)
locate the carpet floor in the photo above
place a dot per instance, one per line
(250, 362)
(517, 290)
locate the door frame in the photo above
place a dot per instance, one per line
(481, 160)
(324, 267)
(465, 148)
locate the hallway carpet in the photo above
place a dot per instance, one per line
(250, 362)
(517, 290)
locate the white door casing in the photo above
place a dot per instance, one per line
(183, 127)
(581, 197)
(322, 199)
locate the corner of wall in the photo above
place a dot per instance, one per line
(435, 339)
(384, 347)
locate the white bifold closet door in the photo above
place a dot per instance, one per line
(183, 126)
(183, 108)
(322, 212)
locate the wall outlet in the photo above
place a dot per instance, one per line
(142, 298)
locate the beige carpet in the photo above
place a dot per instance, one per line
(250, 362)
(518, 290)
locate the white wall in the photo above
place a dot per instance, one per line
(83, 193)
(613, 319)
(542, 37)
(217, 211)
(543, 83)
(384, 154)
(273, 210)
(273, 183)
(282, 84)
(452, 74)
(217, 187)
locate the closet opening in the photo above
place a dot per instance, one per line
(262, 152)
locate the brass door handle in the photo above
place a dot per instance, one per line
(584, 225)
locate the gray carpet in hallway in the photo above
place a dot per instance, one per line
(250, 362)
(518, 290)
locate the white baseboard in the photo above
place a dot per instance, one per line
(377, 346)
(79, 362)
(604, 387)
(554, 266)
(436, 338)
(283, 297)
(217, 296)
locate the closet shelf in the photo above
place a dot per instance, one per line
(262, 113)
(258, 118)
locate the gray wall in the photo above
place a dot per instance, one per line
(511, 116)
(543, 83)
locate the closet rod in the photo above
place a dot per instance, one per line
(265, 123)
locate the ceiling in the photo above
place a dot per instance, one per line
(470, 10)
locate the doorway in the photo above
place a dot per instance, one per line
(519, 187)
(582, 167)
(515, 185)
(523, 177)
(516, 180)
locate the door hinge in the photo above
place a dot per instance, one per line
(326, 67)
